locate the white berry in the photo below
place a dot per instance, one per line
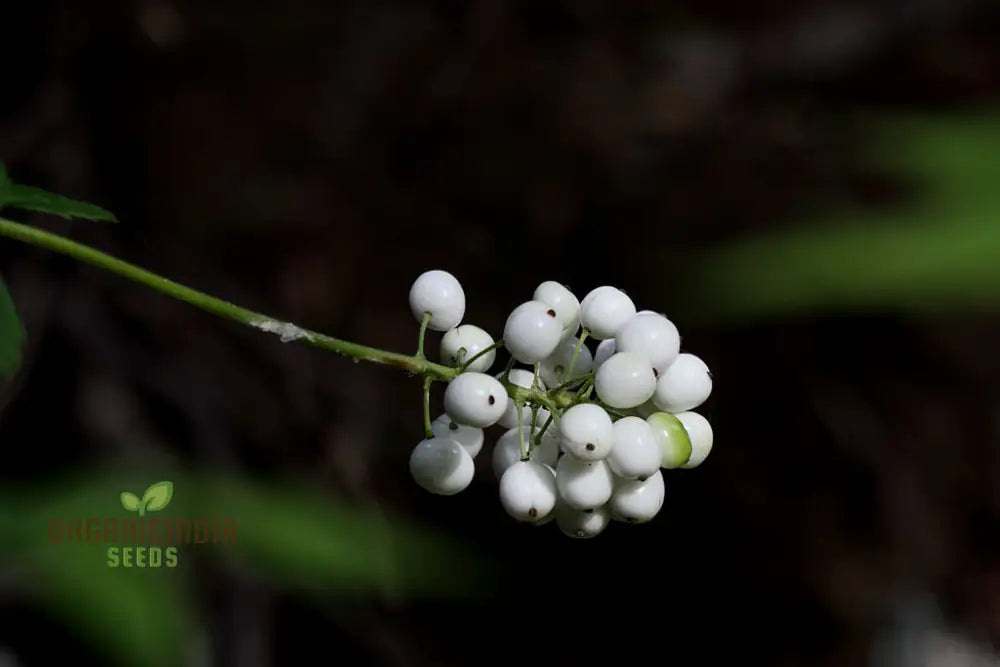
(626, 380)
(522, 378)
(581, 524)
(475, 399)
(547, 451)
(605, 349)
(440, 294)
(507, 451)
(441, 466)
(637, 502)
(555, 369)
(583, 485)
(605, 310)
(532, 332)
(585, 431)
(563, 301)
(636, 451)
(700, 433)
(528, 491)
(469, 437)
(651, 336)
(675, 444)
(464, 342)
(684, 385)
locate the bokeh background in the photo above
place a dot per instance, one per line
(810, 190)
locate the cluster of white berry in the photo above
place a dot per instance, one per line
(567, 456)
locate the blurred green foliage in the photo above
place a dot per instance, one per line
(11, 335)
(290, 538)
(29, 198)
(936, 251)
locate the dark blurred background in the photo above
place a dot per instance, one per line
(309, 159)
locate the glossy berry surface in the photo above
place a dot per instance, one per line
(475, 399)
(441, 466)
(439, 293)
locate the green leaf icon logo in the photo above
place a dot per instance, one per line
(157, 497)
(130, 501)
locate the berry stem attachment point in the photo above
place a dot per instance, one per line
(495, 346)
(506, 371)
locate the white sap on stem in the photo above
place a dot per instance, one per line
(287, 331)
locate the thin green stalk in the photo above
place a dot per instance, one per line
(424, 321)
(569, 384)
(520, 430)
(531, 433)
(497, 345)
(545, 427)
(428, 430)
(286, 330)
(576, 351)
(583, 393)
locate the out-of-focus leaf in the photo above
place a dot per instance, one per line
(133, 616)
(11, 336)
(292, 538)
(308, 541)
(35, 199)
(938, 252)
(25, 197)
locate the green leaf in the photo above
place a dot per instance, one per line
(288, 537)
(312, 542)
(35, 199)
(11, 336)
(135, 616)
(130, 501)
(132, 616)
(158, 496)
(936, 253)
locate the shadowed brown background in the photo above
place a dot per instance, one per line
(310, 159)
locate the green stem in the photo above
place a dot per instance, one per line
(424, 321)
(520, 430)
(428, 430)
(583, 393)
(576, 352)
(545, 427)
(497, 345)
(286, 330)
(565, 386)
